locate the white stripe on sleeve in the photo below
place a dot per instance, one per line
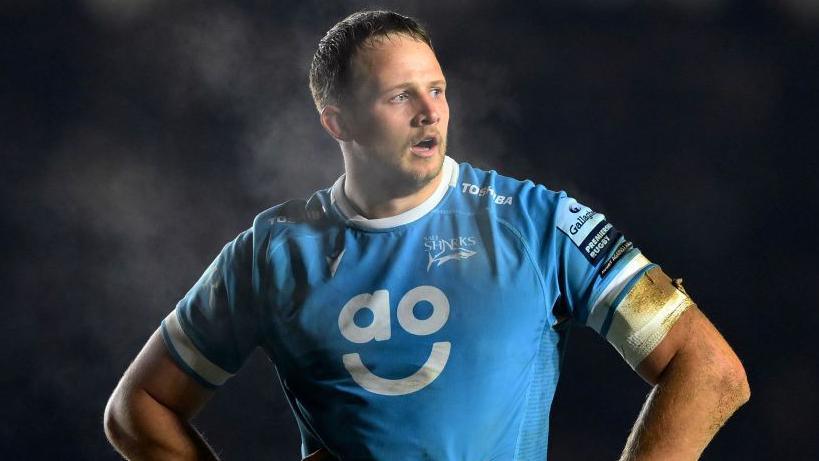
(183, 346)
(600, 307)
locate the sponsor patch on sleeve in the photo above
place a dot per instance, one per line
(587, 229)
(622, 249)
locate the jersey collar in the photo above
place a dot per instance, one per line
(449, 178)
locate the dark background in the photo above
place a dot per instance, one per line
(139, 136)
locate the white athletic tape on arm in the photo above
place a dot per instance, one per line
(645, 316)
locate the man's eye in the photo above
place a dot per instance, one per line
(400, 97)
(437, 92)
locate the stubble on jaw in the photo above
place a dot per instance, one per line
(394, 180)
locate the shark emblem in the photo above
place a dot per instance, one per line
(440, 258)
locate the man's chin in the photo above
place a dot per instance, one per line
(406, 175)
(422, 171)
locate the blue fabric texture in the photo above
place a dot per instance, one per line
(435, 339)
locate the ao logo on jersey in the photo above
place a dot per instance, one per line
(379, 330)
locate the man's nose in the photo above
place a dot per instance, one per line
(427, 111)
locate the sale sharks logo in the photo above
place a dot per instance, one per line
(440, 250)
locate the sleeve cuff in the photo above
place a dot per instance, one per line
(188, 357)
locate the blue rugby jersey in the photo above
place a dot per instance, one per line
(435, 334)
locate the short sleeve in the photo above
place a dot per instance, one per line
(609, 285)
(214, 328)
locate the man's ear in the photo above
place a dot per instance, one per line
(334, 121)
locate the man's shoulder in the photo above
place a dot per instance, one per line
(297, 216)
(505, 194)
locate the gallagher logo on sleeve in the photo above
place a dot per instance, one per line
(587, 229)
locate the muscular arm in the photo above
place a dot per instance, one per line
(147, 416)
(698, 384)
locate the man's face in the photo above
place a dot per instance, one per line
(399, 109)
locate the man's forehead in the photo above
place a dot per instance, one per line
(385, 58)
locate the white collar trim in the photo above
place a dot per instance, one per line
(449, 178)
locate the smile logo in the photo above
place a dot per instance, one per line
(379, 330)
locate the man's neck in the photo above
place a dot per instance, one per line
(375, 198)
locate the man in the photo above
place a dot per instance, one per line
(416, 309)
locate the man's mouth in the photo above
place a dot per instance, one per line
(425, 146)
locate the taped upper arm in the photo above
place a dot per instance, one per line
(644, 314)
(656, 321)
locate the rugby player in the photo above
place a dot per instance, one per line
(417, 309)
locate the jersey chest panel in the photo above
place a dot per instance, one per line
(447, 313)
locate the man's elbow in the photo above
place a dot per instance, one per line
(709, 364)
(112, 421)
(729, 381)
(735, 384)
(713, 358)
(121, 421)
